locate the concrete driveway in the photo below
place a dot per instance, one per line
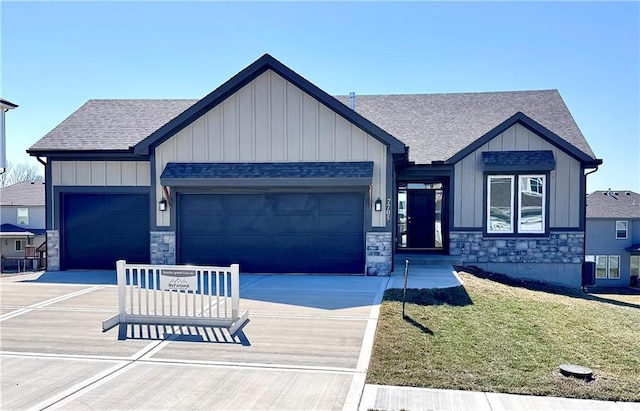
(307, 346)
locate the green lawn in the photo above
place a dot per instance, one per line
(489, 336)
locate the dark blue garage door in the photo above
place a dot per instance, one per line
(99, 229)
(275, 232)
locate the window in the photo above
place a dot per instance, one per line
(614, 266)
(622, 230)
(530, 200)
(23, 216)
(601, 266)
(635, 265)
(608, 266)
(20, 245)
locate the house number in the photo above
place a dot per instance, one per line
(388, 211)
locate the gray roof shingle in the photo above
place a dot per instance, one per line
(434, 126)
(613, 204)
(359, 169)
(437, 126)
(538, 158)
(111, 124)
(27, 193)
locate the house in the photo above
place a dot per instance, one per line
(22, 221)
(270, 171)
(613, 236)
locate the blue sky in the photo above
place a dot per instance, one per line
(56, 56)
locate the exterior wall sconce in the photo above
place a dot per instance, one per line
(162, 204)
(378, 205)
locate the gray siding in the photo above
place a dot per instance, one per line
(9, 215)
(601, 240)
(564, 181)
(271, 120)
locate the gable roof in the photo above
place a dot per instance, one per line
(27, 193)
(264, 63)
(436, 127)
(613, 204)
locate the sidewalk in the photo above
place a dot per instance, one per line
(384, 397)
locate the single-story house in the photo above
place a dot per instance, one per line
(270, 171)
(613, 237)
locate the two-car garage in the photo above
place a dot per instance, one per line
(286, 232)
(273, 232)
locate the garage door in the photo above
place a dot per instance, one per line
(275, 232)
(99, 229)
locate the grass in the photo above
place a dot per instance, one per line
(496, 337)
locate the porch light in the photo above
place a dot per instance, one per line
(162, 204)
(378, 205)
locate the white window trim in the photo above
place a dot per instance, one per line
(626, 229)
(21, 247)
(26, 217)
(608, 259)
(606, 267)
(636, 266)
(544, 202)
(609, 267)
(511, 179)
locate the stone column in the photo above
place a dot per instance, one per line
(53, 250)
(163, 247)
(378, 259)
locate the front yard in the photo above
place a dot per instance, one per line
(489, 336)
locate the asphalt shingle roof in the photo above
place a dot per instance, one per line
(437, 126)
(360, 169)
(434, 126)
(613, 204)
(111, 124)
(27, 193)
(538, 158)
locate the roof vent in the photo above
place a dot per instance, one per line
(352, 100)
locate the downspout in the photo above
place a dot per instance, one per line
(46, 211)
(584, 218)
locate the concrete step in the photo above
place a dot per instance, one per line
(425, 259)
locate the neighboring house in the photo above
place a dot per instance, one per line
(270, 171)
(613, 236)
(22, 218)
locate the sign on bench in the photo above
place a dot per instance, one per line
(178, 295)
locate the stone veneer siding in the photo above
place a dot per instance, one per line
(163, 247)
(378, 259)
(53, 250)
(557, 248)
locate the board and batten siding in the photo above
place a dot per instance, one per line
(564, 181)
(100, 173)
(272, 120)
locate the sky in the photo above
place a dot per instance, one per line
(57, 55)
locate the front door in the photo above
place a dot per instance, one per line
(420, 216)
(421, 219)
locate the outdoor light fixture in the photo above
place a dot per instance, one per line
(378, 205)
(162, 204)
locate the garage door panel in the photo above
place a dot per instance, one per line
(249, 224)
(293, 223)
(293, 245)
(98, 229)
(275, 232)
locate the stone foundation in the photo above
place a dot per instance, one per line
(379, 250)
(53, 250)
(556, 258)
(163, 247)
